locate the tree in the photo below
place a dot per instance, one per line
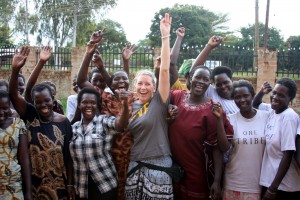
(7, 8)
(275, 40)
(114, 32)
(5, 35)
(200, 24)
(56, 17)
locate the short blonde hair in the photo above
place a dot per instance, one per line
(146, 73)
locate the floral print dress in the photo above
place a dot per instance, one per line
(49, 152)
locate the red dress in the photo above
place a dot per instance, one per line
(192, 136)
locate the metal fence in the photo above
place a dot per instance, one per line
(143, 58)
(60, 59)
(6, 54)
(240, 60)
(288, 63)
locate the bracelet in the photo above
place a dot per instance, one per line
(163, 37)
(270, 192)
(70, 185)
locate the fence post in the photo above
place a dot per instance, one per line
(267, 67)
(77, 54)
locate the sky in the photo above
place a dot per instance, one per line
(135, 15)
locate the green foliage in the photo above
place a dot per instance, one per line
(293, 42)
(56, 17)
(5, 35)
(200, 24)
(275, 40)
(7, 8)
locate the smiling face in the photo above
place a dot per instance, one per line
(144, 88)
(43, 103)
(98, 81)
(200, 82)
(120, 81)
(88, 106)
(223, 85)
(5, 111)
(243, 98)
(279, 98)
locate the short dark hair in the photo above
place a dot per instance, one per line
(221, 70)
(114, 74)
(40, 87)
(190, 74)
(290, 84)
(242, 83)
(95, 70)
(22, 76)
(89, 90)
(50, 83)
(4, 94)
(4, 82)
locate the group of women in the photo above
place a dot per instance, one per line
(119, 144)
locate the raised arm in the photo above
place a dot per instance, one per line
(18, 62)
(45, 54)
(97, 59)
(213, 42)
(127, 52)
(265, 89)
(180, 32)
(82, 80)
(164, 76)
(122, 121)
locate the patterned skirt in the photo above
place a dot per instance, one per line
(149, 184)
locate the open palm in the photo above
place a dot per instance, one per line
(46, 53)
(19, 59)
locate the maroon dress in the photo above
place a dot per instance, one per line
(193, 135)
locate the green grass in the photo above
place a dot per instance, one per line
(64, 103)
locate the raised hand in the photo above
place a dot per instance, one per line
(165, 25)
(19, 59)
(217, 109)
(97, 59)
(45, 53)
(266, 88)
(180, 32)
(215, 41)
(122, 95)
(157, 63)
(128, 50)
(173, 111)
(97, 36)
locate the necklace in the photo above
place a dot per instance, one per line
(47, 122)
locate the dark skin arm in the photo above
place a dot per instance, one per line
(127, 52)
(122, 121)
(215, 191)
(297, 154)
(223, 142)
(18, 62)
(173, 58)
(283, 168)
(77, 116)
(45, 54)
(23, 158)
(82, 80)
(265, 89)
(213, 42)
(97, 59)
(180, 32)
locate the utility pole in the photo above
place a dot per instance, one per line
(75, 22)
(26, 21)
(256, 37)
(266, 26)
